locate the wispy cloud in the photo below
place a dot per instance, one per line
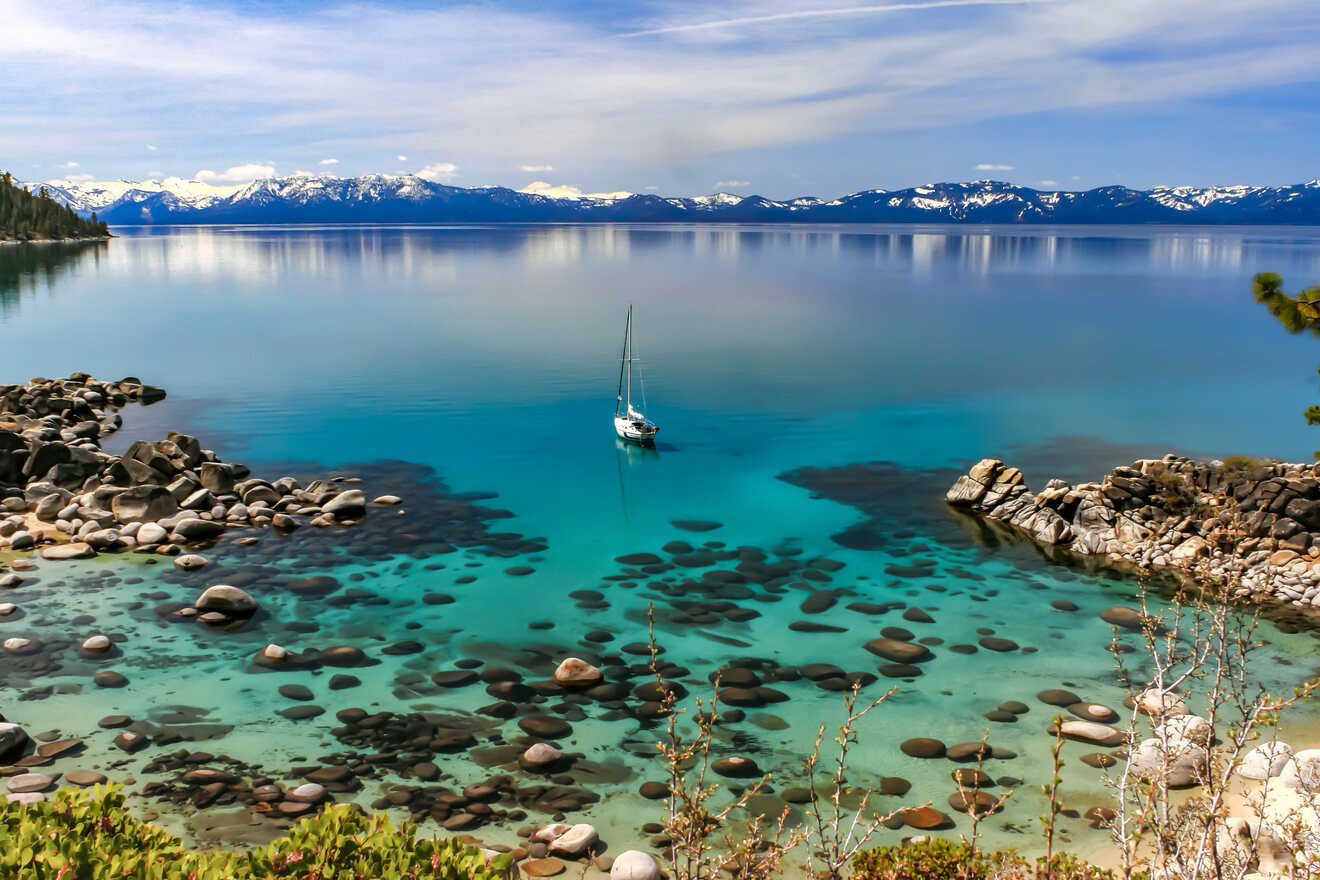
(798, 15)
(401, 158)
(69, 165)
(328, 162)
(987, 166)
(730, 184)
(1047, 182)
(236, 173)
(638, 105)
(439, 171)
(151, 148)
(536, 169)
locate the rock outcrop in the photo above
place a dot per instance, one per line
(58, 487)
(1258, 524)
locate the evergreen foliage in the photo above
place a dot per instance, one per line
(89, 835)
(28, 217)
(1297, 314)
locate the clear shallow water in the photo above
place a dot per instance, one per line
(489, 354)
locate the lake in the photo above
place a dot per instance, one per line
(478, 366)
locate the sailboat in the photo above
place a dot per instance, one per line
(629, 423)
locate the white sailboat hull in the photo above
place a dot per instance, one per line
(635, 430)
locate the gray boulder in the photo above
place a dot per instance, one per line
(217, 476)
(193, 529)
(227, 600)
(349, 504)
(144, 504)
(13, 740)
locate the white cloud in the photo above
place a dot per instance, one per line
(568, 191)
(69, 165)
(328, 162)
(155, 175)
(301, 173)
(71, 178)
(536, 169)
(731, 184)
(151, 148)
(1047, 182)
(651, 188)
(236, 173)
(552, 190)
(651, 100)
(401, 158)
(438, 171)
(989, 166)
(797, 15)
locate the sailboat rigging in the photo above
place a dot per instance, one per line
(629, 423)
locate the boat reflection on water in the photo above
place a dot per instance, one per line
(634, 454)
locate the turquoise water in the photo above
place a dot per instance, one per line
(490, 356)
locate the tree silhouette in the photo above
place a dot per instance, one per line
(1297, 314)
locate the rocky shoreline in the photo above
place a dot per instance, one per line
(65, 498)
(1256, 525)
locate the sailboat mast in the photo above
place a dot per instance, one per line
(629, 362)
(623, 360)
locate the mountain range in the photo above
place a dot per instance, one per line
(387, 198)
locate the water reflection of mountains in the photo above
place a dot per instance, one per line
(920, 249)
(25, 267)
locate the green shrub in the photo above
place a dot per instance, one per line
(82, 835)
(935, 859)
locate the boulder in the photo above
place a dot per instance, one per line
(217, 477)
(1181, 766)
(13, 740)
(73, 550)
(1302, 771)
(308, 793)
(143, 504)
(1160, 704)
(349, 504)
(1265, 761)
(634, 865)
(1092, 732)
(540, 756)
(897, 651)
(227, 600)
(577, 673)
(190, 561)
(1192, 729)
(25, 782)
(577, 840)
(96, 645)
(151, 533)
(193, 529)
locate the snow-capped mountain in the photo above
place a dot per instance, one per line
(388, 198)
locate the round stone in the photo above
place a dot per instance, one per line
(84, 778)
(1058, 697)
(897, 651)
(736, 767)
(545, 726)
(18, 645)
(108, 678)
(540, 756)
(577, 673)
(308, 793)
(634, 865)
(96, 645)
(922, 747)
(925, 818)
(25, 782)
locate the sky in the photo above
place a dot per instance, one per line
(775, 97)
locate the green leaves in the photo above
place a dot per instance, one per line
(90, 836)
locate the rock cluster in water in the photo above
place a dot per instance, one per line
(68, 499)
(1208, 520)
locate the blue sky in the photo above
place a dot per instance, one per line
(777, 97)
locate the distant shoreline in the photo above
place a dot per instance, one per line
(4, 241)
